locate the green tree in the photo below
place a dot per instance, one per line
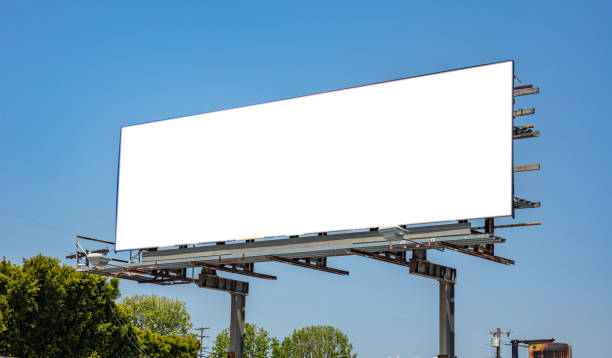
(50, 310)
(316, 342)
(161, 315)
(308, 342)
(169, 346)
(257, 343)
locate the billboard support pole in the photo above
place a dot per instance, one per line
(237, 316)
(447, 319)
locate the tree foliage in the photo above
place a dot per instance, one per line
(50, 310)
(257, 342)
(308, 342)
(317, 342)
(158, 314)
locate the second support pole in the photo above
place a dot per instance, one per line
(237, 316)
(447, 319)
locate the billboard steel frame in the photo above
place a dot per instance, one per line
(391, 245)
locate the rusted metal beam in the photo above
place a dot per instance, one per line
(523, 112)
(527, 91)
(428, 269)
(94, 239)
(170, 283)
(529, 134)
(158, 273)
(489, 228)
(481, 255)
(128, 276)
(520, 203)
(522, 87)
(223, 284)
(509, 225)
(225, 268)
(526, 168)
(307, 264)
(167, 281)
(399, 260)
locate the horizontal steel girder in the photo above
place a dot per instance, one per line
(223, 284)
(430, 270)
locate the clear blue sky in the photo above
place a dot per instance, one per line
(72, 73)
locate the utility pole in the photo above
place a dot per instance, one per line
(201, 336)
(496, 340)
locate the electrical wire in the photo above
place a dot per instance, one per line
(127, 333)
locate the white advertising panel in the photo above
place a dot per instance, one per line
(423, 149)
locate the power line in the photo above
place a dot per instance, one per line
(201, 336)
(127, 333)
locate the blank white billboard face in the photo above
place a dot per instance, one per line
(424, 149)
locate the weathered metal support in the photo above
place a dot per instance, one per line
(489, 228)
(237, 316)
(430, 270)
(525, 204)
(420, 254)
(243, 269)
(521, 86)
(523, 112)
(397, 258)
(528, 133)
(214, 282)
(481, 255)
(509, 225)
(161, 277)
(447, 318)
(319, 264)
(525, 168)
(94, 239)
(446, 277)
(527, 91)
(515, 346)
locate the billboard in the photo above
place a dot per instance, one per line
(423, 149)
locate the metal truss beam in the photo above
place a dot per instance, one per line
(529, 134)
(168, 281)
(127, 276)
(475, 253)
(521, 132)
(525, 204)
(161, 277)
(398, 258)
(315, 246)
(300, 251)
(244, 269)
(319, 264)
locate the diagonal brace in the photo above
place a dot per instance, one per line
(481, 255)
(307, 263)
(244, 271)
(397, 259)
